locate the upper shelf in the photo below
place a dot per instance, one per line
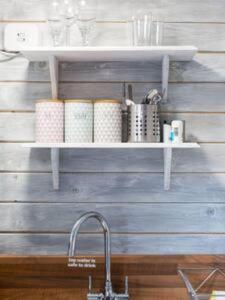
(85, 54)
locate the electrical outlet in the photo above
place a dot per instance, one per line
(21, 35)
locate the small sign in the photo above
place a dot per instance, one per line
(88, 263)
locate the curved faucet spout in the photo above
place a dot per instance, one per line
(107, 242)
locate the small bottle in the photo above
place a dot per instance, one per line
(177, 129)
(166, 133)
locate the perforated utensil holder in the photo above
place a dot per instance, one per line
(143, 123)
(153, 124)
(137, 123)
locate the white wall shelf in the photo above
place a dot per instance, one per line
(167, 148)
(148, 53)
(163, 54)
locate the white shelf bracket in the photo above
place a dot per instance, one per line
(165, 76)
(167, 168)
(55, 167)
(54, 75)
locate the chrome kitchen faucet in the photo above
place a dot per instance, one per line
(108, 294)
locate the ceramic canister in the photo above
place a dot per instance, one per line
(78, 121)
(107, 121)
(49, 121)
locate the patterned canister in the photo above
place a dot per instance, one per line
(78, 121)
(49, 121)
(107, 121)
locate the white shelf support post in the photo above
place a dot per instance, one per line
(167, 168)
(55, 167)
(165, 76)
(54, 75)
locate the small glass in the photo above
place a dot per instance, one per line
(142, 29)
(86, 20)
(68, 13)
(157, 32)
(55, 22)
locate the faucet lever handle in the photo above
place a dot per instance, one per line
(89, 283)
(126, 285)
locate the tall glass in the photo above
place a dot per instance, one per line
(86, 19)
(142, 29)
(157, 34)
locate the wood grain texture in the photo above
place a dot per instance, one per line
(16, 96)
(113, 187)
(154, 276)
(198, 127)
(142, 271)
(197, 97)
(145, 272)
(144, 219)
(155, 244)
(17, 126)
(171, 10)
(190, 34)
(67, 294)
(177, 218)
(120, 34)
(208, 158)
(21, 96)
(186, 97)
(204, 68)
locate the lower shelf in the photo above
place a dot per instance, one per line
(55, 149)
(110, 145)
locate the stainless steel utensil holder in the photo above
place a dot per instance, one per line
(153, 125)
(195, 292)
(143, 123)
(137, 123)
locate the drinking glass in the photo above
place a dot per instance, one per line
(157, 34)
(86, 19)
(55, 22)
(68, 13)
(142, 29)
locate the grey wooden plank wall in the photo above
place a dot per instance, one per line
(126, 186)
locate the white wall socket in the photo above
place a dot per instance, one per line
(21, 35)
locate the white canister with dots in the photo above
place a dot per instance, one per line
(107, 121)
(49, 121)
(78, 121)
